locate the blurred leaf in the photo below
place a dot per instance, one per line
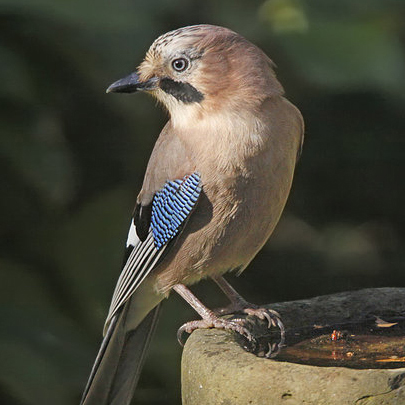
(81, 13)
(23, 286)
(349, 56)
(380, 323)
(17, 83)
(39, 154)
(284, 16)
(43, 356)
(43, 353)
(89, 252)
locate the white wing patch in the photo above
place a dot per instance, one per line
(132, 239)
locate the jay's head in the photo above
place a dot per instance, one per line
(203, 68)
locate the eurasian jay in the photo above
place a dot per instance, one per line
(214, 189)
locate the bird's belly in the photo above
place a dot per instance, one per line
(229, 226)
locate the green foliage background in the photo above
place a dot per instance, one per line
(72, 160)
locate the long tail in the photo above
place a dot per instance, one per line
(120, 359)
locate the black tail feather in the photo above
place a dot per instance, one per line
(120, 360)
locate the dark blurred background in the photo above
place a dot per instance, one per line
(73, 158)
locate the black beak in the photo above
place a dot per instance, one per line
(131, 83)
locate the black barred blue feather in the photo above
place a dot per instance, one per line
(171, 207)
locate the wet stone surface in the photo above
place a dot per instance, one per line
(345, 348)
(378, 343)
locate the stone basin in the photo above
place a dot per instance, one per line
(346, 348)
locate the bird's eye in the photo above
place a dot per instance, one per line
(180, 64)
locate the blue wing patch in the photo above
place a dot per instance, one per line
(171, 206)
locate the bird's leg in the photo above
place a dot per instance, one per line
(209, 319)
(239, 304)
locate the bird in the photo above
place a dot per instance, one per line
(214, 189)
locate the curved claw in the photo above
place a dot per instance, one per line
(239, 328)
(282, 330)
(180, 332)
(274, 350)
(270, 320)
(189, 327)
(273, 318)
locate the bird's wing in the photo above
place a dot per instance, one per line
(151, 230)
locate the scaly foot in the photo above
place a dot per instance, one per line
(239, 304)
(217, 323)
(273, 317)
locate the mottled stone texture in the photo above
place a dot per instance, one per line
(217, 371)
